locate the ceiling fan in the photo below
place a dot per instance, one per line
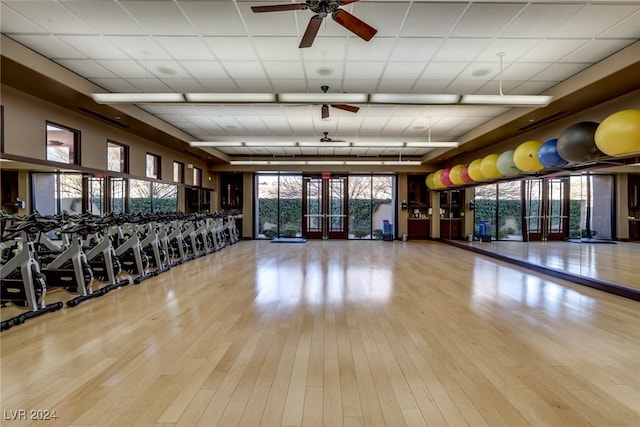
(322, 8)
(344, 107)
(326, 138)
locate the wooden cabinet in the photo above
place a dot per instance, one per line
(418, 204)
(419, 228)
(634, 230)
(451, 212)
(451, 228)
(231, 191)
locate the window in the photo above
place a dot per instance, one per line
(117, 157)
(63, 144)
(178, 172)
(54, 193)
(164, 197)
(153, 166)
(197, 177)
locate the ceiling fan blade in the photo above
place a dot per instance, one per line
(280, 7)
(325, 111)
(353, 24)
(346, 107)
(344, 2)
(311, 31)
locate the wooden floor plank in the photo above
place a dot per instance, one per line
(332, 333)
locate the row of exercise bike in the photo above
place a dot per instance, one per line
(88, 255)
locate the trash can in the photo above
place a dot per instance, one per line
(404, 237)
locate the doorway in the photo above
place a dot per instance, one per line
(324, 207)
(546, 209)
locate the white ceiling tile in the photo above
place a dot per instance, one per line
(403, 70)
(522, 70)
(277, 23)
(364, 70)
(149, 84)
(538, 20)
(12, 22)
(377, 49)
(166, 69)
(593, 19)
(141, 48)
(48, 45)
(231, 48)
(357, 85)
(124, 68)
(106, 17)
(443, 70)
(218, 85)
(244, 69)
(187, 47)
(386, 17)
(115, 85)
(87, 68)
(559, 72)
(462, 49)
(52, 16)
(284, 70)
(314, 69)
(430, 85)
(158, 17)
(249, 85)
(295, 84)
(183, 85)
(432, 19)
(205, 69)
(486, 19)
(395, 86)
(512, 49)
(595, 50)
(277, 48)
(415, 48)
(628, 28)
(96, 47)
(325, 49)
(552, 50)
(214, 17)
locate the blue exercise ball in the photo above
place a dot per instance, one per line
(577, 143)
(548, 155)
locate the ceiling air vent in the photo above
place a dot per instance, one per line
(545, 120)
(103, 118)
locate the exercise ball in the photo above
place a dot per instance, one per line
(505, 164)
(455, 175)
(444, 177)
(430, 181)
(489, 167)
(525, 156)
(577, 143)
(619, 134)
(437, 180)
(548, 155)
(464, 174)
(474, 170)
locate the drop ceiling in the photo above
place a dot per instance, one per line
(420, 47)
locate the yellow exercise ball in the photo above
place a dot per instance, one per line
(475, 172)
(436, 179)
(619, 134)
(430, 181)
(525, 157)
(489, 166)
(455, 174)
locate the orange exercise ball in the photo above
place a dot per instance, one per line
(619, 134)
(475, 172)
(455, 174)
(489, 166)
(525, 157)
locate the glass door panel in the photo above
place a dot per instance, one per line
(117, 194)
(95, 195)
(313, 208)
(558, 208)
(336, 190)
(324, 207)
(533, 212)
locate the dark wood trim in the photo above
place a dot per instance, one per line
(601, 285)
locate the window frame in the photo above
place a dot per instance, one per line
(124, 162)
(156, 167)
(180, 171)
(197, 176)
(74, 159)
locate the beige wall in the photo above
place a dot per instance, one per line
(25, 135)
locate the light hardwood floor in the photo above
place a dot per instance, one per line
(617, 263)
(334, 333)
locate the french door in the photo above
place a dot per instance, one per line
(324, 207)
(546, 209)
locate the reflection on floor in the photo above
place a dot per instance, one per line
(618, 263)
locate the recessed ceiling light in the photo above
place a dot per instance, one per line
(166, 70)
(480, 72)
(324, 71)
